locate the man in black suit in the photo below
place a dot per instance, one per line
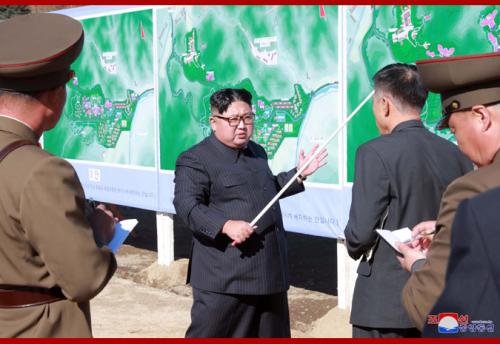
(399, 179)
(472, 279)
(238, 272)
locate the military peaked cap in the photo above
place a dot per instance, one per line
(462, 81)
(37, 51)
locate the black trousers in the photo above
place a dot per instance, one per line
(370, 332)
(215, 315)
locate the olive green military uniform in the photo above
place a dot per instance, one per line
(45, 240)
(46, 243)
(462, 82)
(426, 284)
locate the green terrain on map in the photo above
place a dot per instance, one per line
(107, 117)
(285, 56)
(379, 35)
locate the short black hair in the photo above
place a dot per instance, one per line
(221, 99)
(403, 83)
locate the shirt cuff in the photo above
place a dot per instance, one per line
(417, 264)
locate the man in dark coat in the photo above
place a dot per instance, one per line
(472, 288)
(238, 272)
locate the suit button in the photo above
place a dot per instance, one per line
(265, 188)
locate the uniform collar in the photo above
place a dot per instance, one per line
(496, 158)
(18, 128)
(232, 154)
(412, 123)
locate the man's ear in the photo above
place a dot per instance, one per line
(483, 115)
(385, 104)
(44, 97)
(48, 99)
(212, 120)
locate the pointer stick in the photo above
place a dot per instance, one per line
(304, 166)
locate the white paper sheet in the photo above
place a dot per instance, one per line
(403, 235)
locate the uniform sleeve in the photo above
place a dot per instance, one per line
(370, 198)
(426, 284)
(191, 197)
(295, 187)
(467, 274)
(52, 215)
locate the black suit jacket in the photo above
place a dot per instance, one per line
(400, 177)
(473, 276)
(214, 184)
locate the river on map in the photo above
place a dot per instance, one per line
(137, 146)
(322, 119)
(142, 132)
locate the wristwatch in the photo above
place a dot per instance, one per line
(301, 177)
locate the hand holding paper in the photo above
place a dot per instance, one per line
(409, 256)
(401, 240)
(423, 234)
(402, 235)
(102, 221)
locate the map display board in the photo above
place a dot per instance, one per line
(286, 56)
(145, 75)
(379, 35)
(109, 116)
(290, 69)
(108, 129)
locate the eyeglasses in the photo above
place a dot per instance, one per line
(233, 121)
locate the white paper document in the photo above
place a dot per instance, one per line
(403, 235)
(122, 230)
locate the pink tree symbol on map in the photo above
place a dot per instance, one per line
(96, 110)
(489, 20)
(430, 53)
(445, 52)
(494, 41)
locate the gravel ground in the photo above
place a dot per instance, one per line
(145, 299)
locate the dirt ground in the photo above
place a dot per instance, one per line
(145, 299)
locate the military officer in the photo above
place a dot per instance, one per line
(51, 262)
(470, 96)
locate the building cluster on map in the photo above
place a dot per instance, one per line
(280, 119)
(107, 118)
